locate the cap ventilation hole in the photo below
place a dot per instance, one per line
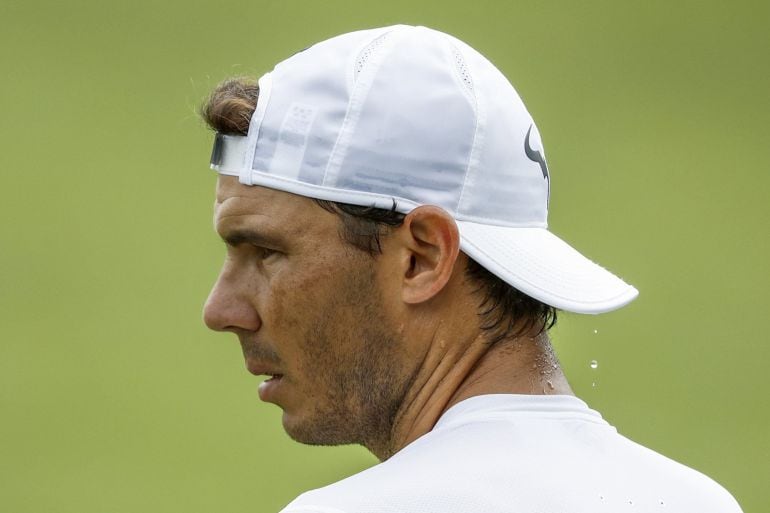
(462, 69)
(367, 53)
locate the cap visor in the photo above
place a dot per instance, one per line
(541, 265)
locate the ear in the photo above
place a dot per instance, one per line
(431, 243)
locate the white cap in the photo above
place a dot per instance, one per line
(417, 116)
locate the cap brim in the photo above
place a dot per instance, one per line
(541, 265)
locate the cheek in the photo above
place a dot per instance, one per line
(290, 297)
(317, 313)
(298, 299)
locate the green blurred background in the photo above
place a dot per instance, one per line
(115, 398)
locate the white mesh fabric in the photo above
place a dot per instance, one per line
(368, 51)
(462, 70)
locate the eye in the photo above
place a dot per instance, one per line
(263, 253)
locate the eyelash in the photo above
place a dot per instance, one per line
(263, 252)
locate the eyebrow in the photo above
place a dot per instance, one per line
(244, 236)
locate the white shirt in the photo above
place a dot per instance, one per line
(506, 453)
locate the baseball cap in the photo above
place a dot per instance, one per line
(413, 116)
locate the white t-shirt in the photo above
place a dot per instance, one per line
(507, 453)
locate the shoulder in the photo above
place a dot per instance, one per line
(396, 485)
(549, 460)
(682, 488)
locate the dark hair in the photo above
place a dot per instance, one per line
(505, 312)
(229, 107)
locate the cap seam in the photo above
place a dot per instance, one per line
(361, 87)
(265, 83)
(470, 168)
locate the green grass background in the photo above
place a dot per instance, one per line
(115, 398)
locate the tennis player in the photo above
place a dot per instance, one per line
(383, 196)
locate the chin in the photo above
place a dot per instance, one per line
(298, 429)
(316, 431)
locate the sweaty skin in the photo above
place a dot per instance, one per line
(368, 350)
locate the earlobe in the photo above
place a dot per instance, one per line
(432, 240)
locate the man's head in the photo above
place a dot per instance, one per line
(326, 298)
(308, 311)
(389, 207)
(504, 311)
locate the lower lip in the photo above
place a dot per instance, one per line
(268, 388)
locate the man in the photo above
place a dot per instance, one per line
(383, 197)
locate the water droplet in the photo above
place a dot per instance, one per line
(601, 497)
(594, 364)
(554, 366)
(593, 384)
(596, 331)
(661, 502)
(630, 502)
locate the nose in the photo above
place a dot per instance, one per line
(228, 307)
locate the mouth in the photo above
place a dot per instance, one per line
(260, 369)
(269, 388)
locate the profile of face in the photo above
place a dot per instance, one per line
(311, 311)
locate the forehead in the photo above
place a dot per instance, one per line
(241, 206)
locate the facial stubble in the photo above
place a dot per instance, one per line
(352, 350)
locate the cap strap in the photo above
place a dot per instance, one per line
(227, 155)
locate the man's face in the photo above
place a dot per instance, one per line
(311, 310)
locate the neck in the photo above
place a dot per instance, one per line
(451, 373)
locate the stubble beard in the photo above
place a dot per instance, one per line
(362, 389)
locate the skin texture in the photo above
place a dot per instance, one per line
(370, 350)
